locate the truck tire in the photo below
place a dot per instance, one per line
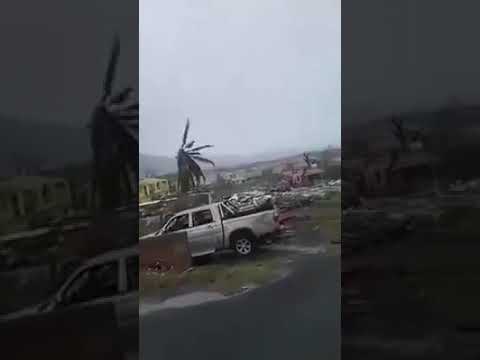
(244, 244)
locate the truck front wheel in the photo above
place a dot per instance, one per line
(243, 245)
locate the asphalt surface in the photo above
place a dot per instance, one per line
(297, 317)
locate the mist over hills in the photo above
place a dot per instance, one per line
(458, 121)
(41, 144)
(161, 165)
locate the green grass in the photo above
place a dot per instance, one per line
(223, 278)
(328, 218)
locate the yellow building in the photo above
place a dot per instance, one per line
(151, 187)
(23, 196)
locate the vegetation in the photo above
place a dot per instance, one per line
(326, 217)
(190, 173)
(114, 140)
(225, 278)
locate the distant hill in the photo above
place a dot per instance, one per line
(156, 165)
(162, 165)
(460, 122)
(43, 144)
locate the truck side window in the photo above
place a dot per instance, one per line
(96, 282)
(202, 217)
(178, 223)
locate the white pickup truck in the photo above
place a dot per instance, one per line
(219, 226)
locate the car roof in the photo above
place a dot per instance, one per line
(112, 255)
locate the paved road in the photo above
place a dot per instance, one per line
(296, 318)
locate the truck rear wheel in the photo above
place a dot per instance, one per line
(243, 245)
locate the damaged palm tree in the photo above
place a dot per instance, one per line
(408, 139)
(190, 174)
(114, 140)
(414, 142)
(399, 132)
(306, 158)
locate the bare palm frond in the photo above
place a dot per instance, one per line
(121, 96)
(195, 168)
(132, 107)
(111, 69)
(204, 160)
(201, 147)
(128, 116)
(185, 132)
(190, 144)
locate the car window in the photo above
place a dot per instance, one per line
(132, 273)
(227, 213)
(96, 282)
(202, 217)
(178, 223)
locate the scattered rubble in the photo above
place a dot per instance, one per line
(304, 196)
(250, 201)
(460, 186)
(160, 267)
(289, 199)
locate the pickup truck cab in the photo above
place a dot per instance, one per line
(217, 226)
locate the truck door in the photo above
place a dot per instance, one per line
(127, 304)
(206, 233)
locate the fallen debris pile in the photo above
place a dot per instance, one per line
(304, 196)
(250, 202)
(289, 199)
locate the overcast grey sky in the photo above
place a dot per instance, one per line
(408, 55)
(49, 71)
(251, 75)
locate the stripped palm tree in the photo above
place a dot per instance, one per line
(190, 174)
(408, 140)
(399, 132)
(306, 158)
(114, 140)
(407, 137)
